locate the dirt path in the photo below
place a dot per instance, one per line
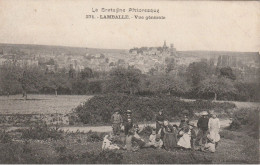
(224, 123)
(239, 104)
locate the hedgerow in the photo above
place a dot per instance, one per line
(98, 110)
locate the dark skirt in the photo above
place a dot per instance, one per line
(170, 141)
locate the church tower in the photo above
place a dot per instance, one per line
(164, 45)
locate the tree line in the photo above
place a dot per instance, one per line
(198, 80)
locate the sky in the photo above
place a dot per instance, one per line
(189, 25)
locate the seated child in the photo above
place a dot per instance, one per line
(155, 140)
(169, 136)
(133, 138)
(194, 132)
(107, 143)
(185, 139)
(210, 145)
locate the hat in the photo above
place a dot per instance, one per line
(128, 111)
(117, 109)
(191, 124)
(161, 110)
(204, 113)
(185, 112)
(211, 112)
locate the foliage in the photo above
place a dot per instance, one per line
(100, 108)
(165, 84)
(5, 137)
(103, 157)
(9, 81)
(41, 132)
(247, 119)
(95, 136)
(123, 80)
(109, 157)
(218, 86)
(227, 72)
(197, 72)
(21, 153)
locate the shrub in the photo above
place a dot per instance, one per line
(227, 134)
(109, 157)
(18, 153)
(104, 157)
(41, 132)
(100, 108)
(5, 137)
(95, 136)
(247, 119)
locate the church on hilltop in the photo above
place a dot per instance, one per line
(155, 51)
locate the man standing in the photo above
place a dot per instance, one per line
(203, 129)
(159, 121)
(116, 120)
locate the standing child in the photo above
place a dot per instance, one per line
(214, 126)
(116, 120)
(159, 120)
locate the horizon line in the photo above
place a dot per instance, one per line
(125, 48)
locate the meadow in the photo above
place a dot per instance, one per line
(40, 104)
(44, 144)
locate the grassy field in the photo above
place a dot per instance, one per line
(42, 104)
(20, 146)
(234, 147)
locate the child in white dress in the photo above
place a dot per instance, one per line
(107, 143)
(214, 127)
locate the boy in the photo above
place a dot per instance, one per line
(116, 120)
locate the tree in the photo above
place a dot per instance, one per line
(227, 72)
(168, 84)
(170, 64)
(9, 80)
(31, 80)
(86, 73)
(217, 86)
(56, 80)
(123, 80)
(197, 72)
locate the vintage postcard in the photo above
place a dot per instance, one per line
(129, 82)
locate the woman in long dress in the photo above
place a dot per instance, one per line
(214, 126)
(169, 136)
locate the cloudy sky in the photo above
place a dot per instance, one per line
(190, 25)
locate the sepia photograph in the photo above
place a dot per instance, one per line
(129, 82)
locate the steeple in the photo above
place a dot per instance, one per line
(164, 45)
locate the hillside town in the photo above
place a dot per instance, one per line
(152, 60)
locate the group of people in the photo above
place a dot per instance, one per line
(204, 137)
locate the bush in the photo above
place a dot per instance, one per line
(17, 153)
(104, 157)
(95, 136)
(5, 137)
(100, 108)
(227, 134)
(247, 119)
(109, 157)
(41, 132)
